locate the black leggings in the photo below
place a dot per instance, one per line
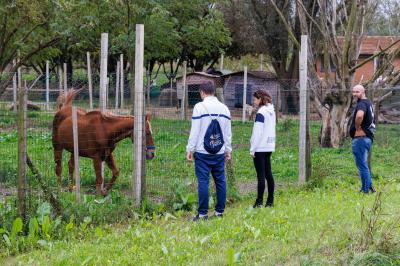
(262, 163)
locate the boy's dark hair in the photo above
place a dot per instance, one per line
(208, 88)
(264, 96)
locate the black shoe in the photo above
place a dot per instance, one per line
(257, 204)
(372, 190)
(269, 204)
(198, 218)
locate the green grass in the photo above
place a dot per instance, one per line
(315, 224)
(306, 227)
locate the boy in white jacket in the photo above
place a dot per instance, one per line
(205, 162)
(262, 144)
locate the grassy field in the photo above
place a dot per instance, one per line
(306, 227)
(316, 224)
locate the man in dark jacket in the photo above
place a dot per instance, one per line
(362, 132)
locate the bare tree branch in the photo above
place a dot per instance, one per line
(300, 2)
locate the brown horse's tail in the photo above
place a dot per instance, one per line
(67, 98)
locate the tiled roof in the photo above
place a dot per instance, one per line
(373, 44)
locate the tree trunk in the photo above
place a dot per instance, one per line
(334, 124)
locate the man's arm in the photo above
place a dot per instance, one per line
(194, 134)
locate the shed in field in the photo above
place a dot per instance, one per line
(193, 82)
(233, 87)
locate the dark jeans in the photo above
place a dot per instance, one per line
(262, 163)
(361, 147)
(204, 165)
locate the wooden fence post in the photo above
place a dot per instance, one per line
(304, 134)
(221, 64)
(76, 154)
(139, 115)
(244, 95)
(184, 92)
(22, 149)
(117, 85)
(60, 82)
(103, 71)
(47, 86)
(89, 75)
(65, 78)
(121, 83)
(107, 93)
(15, 94)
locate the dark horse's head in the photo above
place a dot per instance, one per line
(150, 147)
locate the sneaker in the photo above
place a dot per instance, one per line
(257, 204)
(198, 218)
(217, 215)
(269, 204)
(372, 190)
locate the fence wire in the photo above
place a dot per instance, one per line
(168, 175)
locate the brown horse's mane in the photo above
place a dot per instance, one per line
(67, 98)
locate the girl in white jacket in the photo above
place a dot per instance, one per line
(262, 144)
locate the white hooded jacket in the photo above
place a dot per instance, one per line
(263, 136)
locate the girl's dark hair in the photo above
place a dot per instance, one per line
(263, 95)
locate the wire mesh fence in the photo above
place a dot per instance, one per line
(169, 175)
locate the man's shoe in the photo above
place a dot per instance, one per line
(199, 218)
(372, 190)
(217, 215)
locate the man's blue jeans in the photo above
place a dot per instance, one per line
(204, 164)
(361, 147)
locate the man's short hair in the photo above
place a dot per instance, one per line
(207, 88)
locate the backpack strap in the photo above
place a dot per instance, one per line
(204, 106)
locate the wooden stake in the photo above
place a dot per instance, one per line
(76, 154)
(65, 78)
(47, 86)
(103, 71)
(117, 86)
(184, 96)
(89, 74)
(304, 134)
(22, 149)
(121, 83)
(139, 116)
(244, 94)
(15, 94)
(221, 65)
(60, 82)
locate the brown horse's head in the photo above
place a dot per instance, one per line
(150, 147)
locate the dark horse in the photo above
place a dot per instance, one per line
(98, 135)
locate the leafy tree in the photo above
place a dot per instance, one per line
(24, 29)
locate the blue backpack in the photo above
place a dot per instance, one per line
(213, 139)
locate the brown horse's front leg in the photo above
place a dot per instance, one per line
(99, 178)
(71, 166)
(111, 164)
(58, 160)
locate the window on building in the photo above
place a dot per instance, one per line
(239, 95)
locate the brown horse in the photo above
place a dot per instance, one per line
(98, 135)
